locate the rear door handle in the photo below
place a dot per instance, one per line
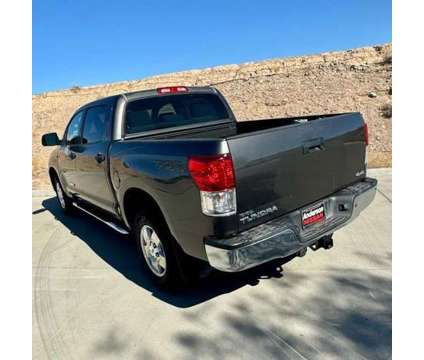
(100, 157)
(313, 145)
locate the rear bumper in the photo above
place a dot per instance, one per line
(285, 236)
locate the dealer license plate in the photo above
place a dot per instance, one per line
(313, 215)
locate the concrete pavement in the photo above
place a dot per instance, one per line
(91, 300)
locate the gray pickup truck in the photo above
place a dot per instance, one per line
(197, 189)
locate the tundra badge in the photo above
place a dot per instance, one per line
(249, 216)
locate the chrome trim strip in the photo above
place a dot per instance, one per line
(108, 223)
(118, 126)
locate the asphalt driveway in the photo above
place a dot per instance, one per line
(91, 300)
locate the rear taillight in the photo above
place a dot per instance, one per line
(172, 89)
(366, 134)
(212, 173)
(366, 139)
(214, 176)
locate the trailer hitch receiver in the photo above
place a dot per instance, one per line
(326, 242)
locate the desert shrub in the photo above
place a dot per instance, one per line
(387, 60)
(75, 88)
(386, 111)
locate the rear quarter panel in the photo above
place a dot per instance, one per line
(159, 167)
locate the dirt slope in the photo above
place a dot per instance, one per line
(352, 80)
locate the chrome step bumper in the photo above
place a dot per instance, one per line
(284, 236)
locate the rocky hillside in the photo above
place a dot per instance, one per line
(352, 80)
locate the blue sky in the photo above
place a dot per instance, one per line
(88, 42)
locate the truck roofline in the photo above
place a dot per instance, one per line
(135, 95)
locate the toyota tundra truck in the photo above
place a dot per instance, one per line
(195, 188)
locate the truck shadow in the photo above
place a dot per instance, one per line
(120, 253)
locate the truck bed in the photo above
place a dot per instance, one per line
(284, 164)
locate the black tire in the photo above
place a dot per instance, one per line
(64, 201)
(171, 276)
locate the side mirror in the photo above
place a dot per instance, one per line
(50, 139)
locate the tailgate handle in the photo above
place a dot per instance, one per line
(313, 145)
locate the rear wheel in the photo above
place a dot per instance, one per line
(157, 250)
(153, 250)
(161, 255)
(64, 201)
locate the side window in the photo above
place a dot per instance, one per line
(95, 125)
(74, 129)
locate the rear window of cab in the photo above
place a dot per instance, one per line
(162, 112)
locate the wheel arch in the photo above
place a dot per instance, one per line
(53, 174)
(135, 200)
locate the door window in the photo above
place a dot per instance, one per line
(95, 125)
(74, 129)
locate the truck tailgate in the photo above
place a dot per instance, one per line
(285, 168)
